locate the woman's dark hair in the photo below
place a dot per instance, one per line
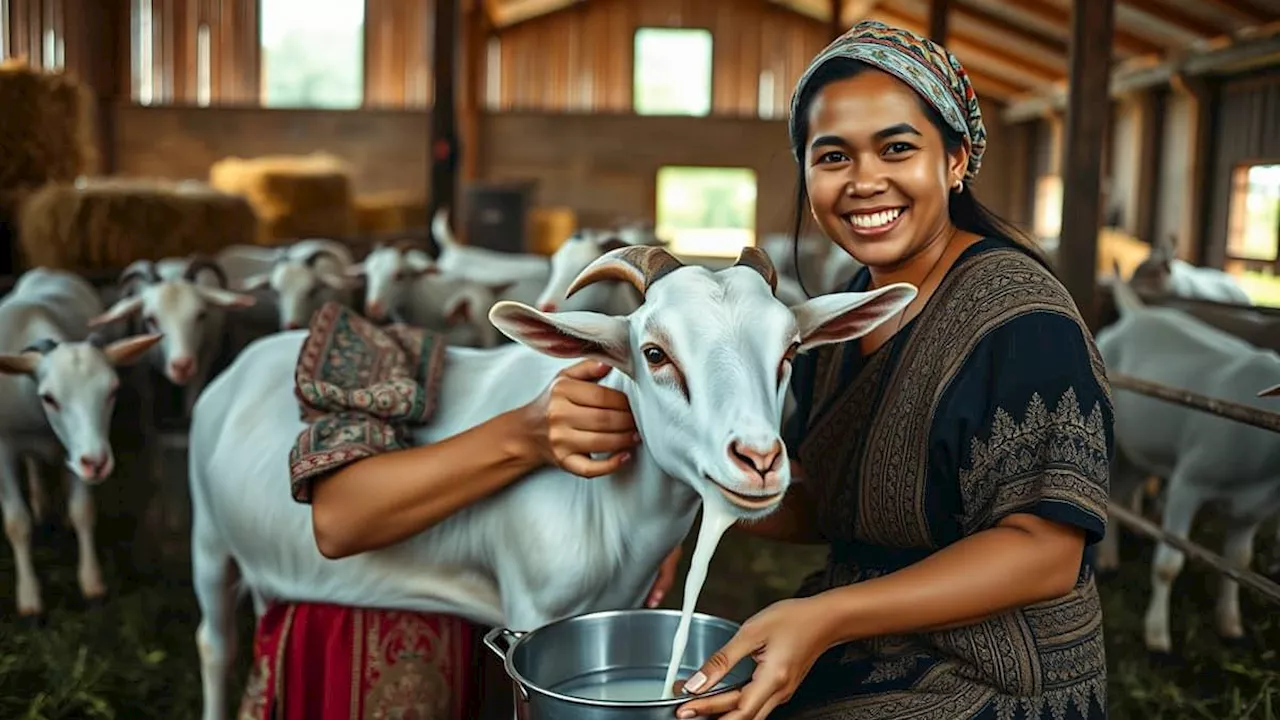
(964, 209)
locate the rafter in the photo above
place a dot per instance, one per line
(510, 12)
(960, 41)
(1048, 44)
(1062, 18)
(1246, 10)
(989, 78)
(1174, 16)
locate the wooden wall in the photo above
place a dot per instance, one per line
(600, 165)
(580, 59)
(1246, 130)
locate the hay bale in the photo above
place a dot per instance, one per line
(390, 212)
(47, 134)
(97, 224)
(551, 227)
(294, 196)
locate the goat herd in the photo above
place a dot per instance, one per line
(602, 294)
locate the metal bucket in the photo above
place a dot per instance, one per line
(577, 653)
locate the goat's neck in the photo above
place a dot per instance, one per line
(642, 489)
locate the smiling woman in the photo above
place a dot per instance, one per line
(955, 458)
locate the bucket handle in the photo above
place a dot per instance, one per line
(508, 638)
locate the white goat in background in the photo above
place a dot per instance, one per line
(301, 277)
(58, 393)
(705, 362)
(176, 298)
(1164, 273)
(404, 285)
(520, 275)
(1203, 456)
(572, 257)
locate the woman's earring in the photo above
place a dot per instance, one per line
(959, 186)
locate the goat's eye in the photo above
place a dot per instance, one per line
(49, 400)
(654, 355)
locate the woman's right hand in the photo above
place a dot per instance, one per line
(575, 417)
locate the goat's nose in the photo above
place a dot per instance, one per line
(755, 460)
(292, 326)
(94, 466)
(375, 310)
(547, 307)
(182, 367)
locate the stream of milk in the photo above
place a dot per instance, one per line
(716, 519)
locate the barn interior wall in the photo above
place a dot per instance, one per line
(602, 166)
(1245, 132)
(1172, 198)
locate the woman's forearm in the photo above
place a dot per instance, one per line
(387, 498)
(1023, 560)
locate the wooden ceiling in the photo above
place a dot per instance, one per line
(1018, 49)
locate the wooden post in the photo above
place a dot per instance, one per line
(938, 21)
(1088, 102)
(1196, 247)
(443, 136)
(107, 55)
(1151, 131)
(475, 37)
(837, 27)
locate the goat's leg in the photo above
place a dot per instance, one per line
(1181, 503)
(1125, 485)
(213, 574)
(1237, 548)
(17, 527)
(35, 488)
(81, 508)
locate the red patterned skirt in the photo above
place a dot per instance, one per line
(330, 662)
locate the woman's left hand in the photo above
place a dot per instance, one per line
(785, 639)
(666, 578)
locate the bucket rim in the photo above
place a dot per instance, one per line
(531, 687)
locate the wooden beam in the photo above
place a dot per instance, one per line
(1123, 39)
(1151, 139)
(475, 38)
(1195, 245)
(1261, 50)
(1246, 10)
(1092, 25)
(938, 20)
(510, 12)
(104, 30)
(1175, 16)
(1049, 45)
(443, 134)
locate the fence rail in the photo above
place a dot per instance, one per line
(1246, 414)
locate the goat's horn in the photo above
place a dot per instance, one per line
(640, 265)
(42, 346)
(203, 262)
(142, 269)
(756, 259)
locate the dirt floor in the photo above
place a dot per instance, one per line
(134, 656)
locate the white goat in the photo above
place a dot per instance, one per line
(301, 277)
(823, 265)
(404, 285)
(704, 361)
(570, 259)
(1203, 456)
(1164, 273)
(522, 275)
(59, 393)
(173, 297)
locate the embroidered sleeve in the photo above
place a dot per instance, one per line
(360, 389)
(1040, 441)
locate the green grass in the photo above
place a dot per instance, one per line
(134, 657)
(1262, 289)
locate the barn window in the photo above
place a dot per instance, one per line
(313, 53)
(1253, 231)
(672, 71)
(4, 29)
(706, 211)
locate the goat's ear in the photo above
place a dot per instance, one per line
(256, 282)
(226, 298)
(19, 364)
(839, 317)
(128, 350)
(122, 309)
(566, 334)
(458, 309)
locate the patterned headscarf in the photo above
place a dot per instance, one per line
(930, 69)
